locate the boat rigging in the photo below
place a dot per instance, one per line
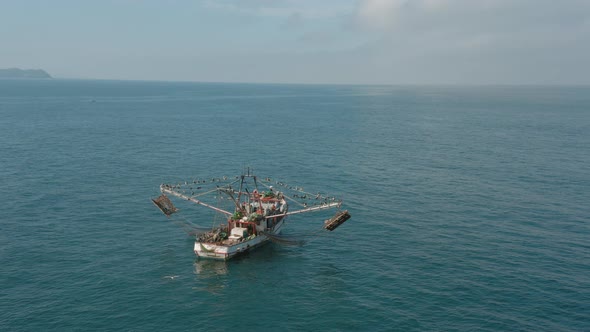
(259, 211)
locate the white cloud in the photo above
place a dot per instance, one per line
(379, 13)
(308, 9)
(468, 14)
(339, 41)
(485, 41)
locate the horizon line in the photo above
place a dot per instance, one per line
(560, 84)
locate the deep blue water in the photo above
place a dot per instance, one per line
(470, 207)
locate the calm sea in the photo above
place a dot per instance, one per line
(470, 207)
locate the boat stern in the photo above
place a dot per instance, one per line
(212, 251)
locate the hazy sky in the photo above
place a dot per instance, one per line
(302, 41)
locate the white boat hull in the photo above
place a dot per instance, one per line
(225, 252)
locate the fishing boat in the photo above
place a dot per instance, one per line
(253, 211)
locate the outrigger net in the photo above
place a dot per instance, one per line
(165, 205)
(338, 219)
(285, 240)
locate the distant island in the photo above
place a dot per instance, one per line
(23, 73)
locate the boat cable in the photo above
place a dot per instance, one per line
(307, 195)
(203, 193)
(187, 226)
(288, 197)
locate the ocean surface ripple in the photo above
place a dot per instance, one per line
(470, 207)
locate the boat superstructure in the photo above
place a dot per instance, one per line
(256, 213)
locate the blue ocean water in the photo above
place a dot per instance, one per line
(470, 207)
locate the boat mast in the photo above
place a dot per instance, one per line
(241, 185)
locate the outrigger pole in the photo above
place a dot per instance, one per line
(194, 200)
(315, 208)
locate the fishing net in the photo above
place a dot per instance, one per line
(289, 241)
(165, 205)
(338, 219)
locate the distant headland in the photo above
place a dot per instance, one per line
(23, 73)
